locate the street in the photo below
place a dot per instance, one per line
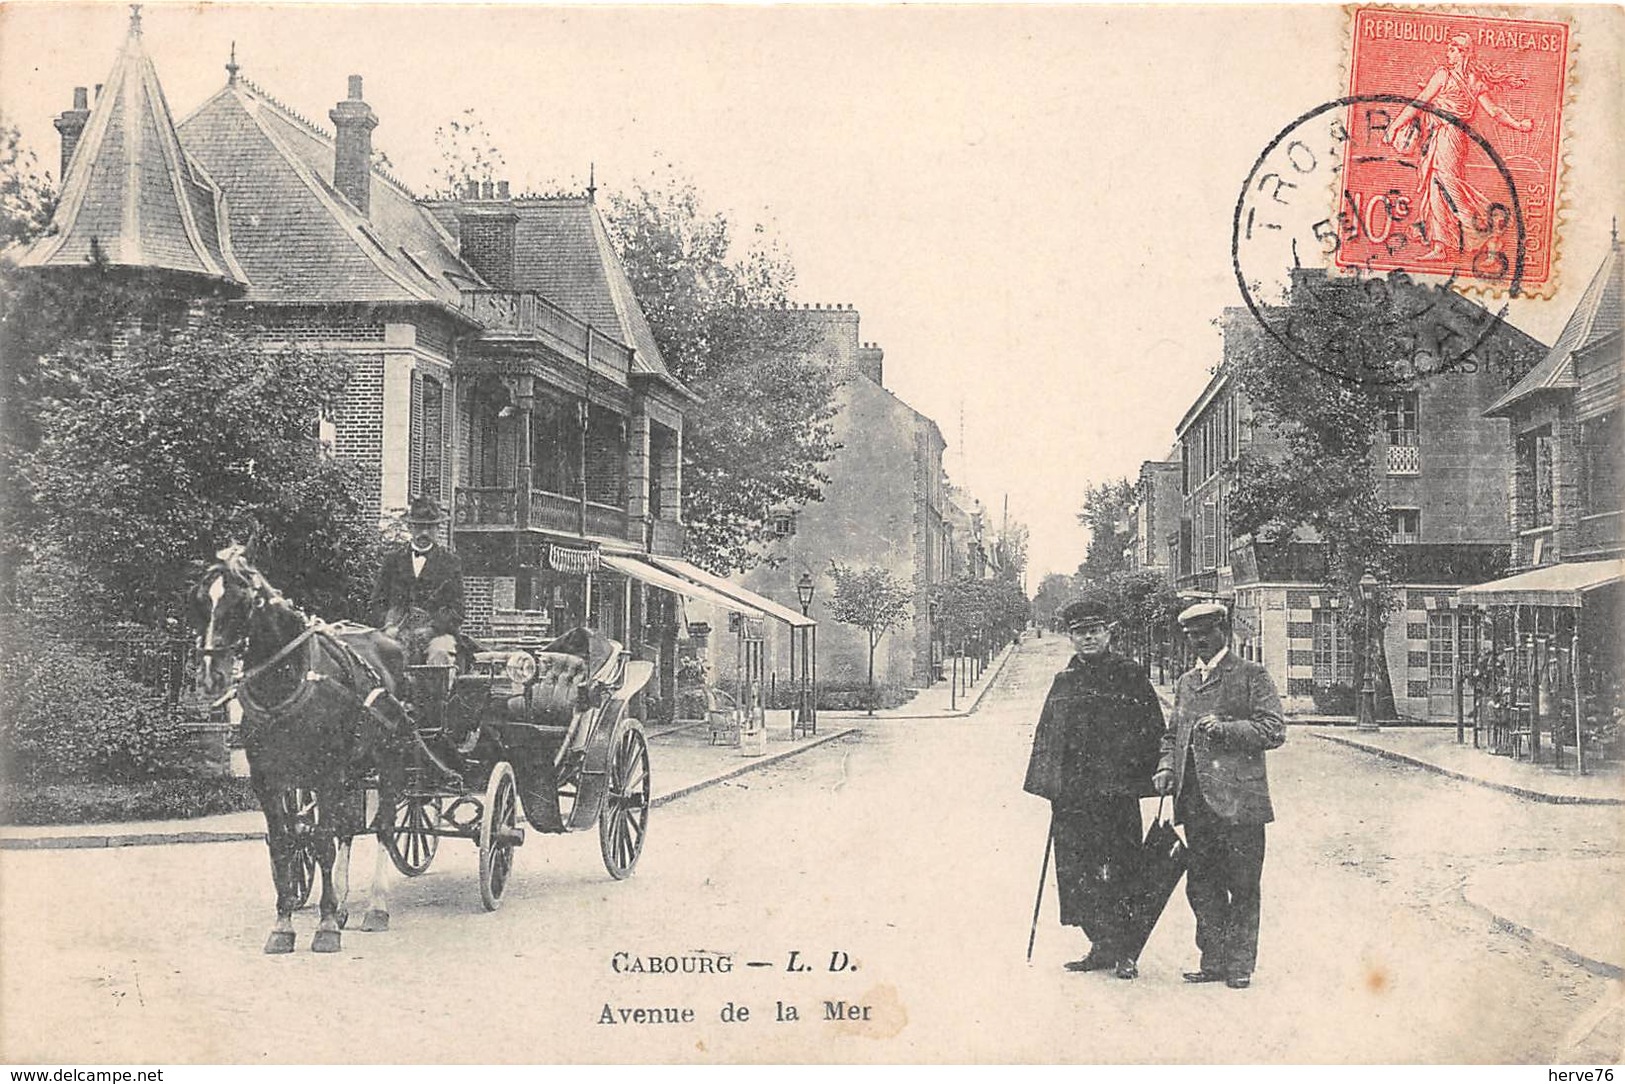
(906, 859)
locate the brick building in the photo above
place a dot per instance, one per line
(1158, 502)
(1442, 466)
(500, 361)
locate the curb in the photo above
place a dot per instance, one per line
(989, 676)
(752, 765)
(998, 668)
(1505, 788)
(152, 839)
(1525, 933)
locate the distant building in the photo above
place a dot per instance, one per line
(887, 504)
(1443, 471)
(1158, 501)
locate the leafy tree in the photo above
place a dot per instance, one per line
(872, 599)
(1355, 343)
(154, 455)
(1054, 592)
(27, 199)
(1143, 604)
(758, 439)
(1105, 513)
(468, 152)
(1013, 551)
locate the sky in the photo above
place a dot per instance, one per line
(1030, 207)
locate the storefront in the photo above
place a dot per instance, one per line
(1545, 682)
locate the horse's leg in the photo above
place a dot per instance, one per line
(341, 878)
(279, 842)
(390, 786)
(327, 937)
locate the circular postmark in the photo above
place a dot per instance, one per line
(1357, 224)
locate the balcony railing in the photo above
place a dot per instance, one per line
(1404, 454)
(521, 314)
(494, 508)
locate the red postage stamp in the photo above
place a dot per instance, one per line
(1454, 152)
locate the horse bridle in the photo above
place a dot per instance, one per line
(231, 562)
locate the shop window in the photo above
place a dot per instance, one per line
(1334, 653)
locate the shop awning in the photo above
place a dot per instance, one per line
(746, 597)
(642, 570)
(1554, 585)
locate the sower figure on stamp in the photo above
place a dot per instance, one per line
(1093, 756)
(418, 598)
(1226, 715)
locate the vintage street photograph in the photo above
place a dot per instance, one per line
(805, 534)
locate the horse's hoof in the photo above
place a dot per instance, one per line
(325, 941)
(375, 921)
(343, 917)
(280, 942)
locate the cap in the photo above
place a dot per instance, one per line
(1083, 613)
(1203, 612)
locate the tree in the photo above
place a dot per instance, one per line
(874, 600)
(1054, 592)
(1355, 344)
(756, 442)
(468, 152)
(152, 456)
(1105, 513)
(27, 199)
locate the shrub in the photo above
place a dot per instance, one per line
(68, 714)
(1334, 699)
(96, 803)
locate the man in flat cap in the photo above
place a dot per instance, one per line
(1093, 757)
(1226, 715)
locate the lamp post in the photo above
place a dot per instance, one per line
(809, 694)
(1366, 719)
(930, 643)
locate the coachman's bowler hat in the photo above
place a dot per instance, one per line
(424, 510)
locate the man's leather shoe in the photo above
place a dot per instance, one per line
(1092, 962)
(1239, 982)
(1204, 976)
(1128, 969)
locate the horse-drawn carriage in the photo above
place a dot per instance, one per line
(332, 711)
(544, 732)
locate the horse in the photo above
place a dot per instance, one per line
(320, 712)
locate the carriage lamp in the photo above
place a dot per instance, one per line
(804, 591)
(521, 668)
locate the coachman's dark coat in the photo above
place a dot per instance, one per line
(437, 592)
(1093, 756)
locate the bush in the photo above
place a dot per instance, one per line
(68, 714)
(97, 803)
(1334, 699)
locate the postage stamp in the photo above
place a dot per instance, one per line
(1454, 161)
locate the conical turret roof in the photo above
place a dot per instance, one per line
(132, 192)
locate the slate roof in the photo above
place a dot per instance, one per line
(300, 239)
(133, 192)
(563, 252)
(1597, 315)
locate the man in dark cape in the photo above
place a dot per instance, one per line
(1093, 756)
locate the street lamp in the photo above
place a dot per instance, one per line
(809, 666)
(930, 643)
(1366, 719)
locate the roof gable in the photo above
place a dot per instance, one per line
(1596, 316)
(299, 238)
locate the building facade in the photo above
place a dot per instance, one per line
(500, 363)
(1442, 469)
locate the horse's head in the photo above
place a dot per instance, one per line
(221, 608)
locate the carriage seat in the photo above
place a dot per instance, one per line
(559, 677)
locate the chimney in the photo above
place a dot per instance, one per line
(487, 227)
(353, 121)
(870, 356)
(72, 125)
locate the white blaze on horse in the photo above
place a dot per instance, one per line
(321, 714)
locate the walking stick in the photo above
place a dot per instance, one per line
(1043, 875)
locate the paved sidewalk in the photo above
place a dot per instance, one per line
(933, 701)
(1561, 904)
(682, 761)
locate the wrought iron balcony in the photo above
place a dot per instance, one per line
(499, 508)
(521, 315)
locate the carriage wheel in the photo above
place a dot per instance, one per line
(498, 834)
(299, 807)
(625, 816)
(412, 843)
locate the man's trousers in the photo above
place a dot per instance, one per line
(1097, 847)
